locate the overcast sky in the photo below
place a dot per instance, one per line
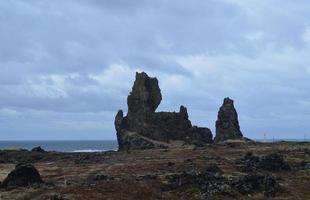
(67, 66)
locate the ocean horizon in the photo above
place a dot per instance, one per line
(87, 145)
(62, 145)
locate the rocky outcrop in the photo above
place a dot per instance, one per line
(38, 149)
(143, 128)
(22, 176)
(273, 162)
(256, 183)
(227, 124)
(208, 184)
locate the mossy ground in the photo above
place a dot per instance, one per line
(141, 174)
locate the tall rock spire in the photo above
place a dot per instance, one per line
(145, 95)
(227, 124)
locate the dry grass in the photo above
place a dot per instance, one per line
(131, 172)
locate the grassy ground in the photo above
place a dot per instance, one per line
(141, 174)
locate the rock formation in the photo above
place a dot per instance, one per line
(38, 149)
(273, 162)
(227, 124)
(143, 128)
(209, 184)
(22, 176)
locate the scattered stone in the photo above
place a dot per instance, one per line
(274, 162)
(211, 184)
(227, 124)
(93, 180)
(101, 177)
(57, 197)
(305, 165)
(38, 149)
(207, 183)
(257, 182)
(20, 156)
(83, 158)
(307, 151)
(271, 162)
(22, 176)
(213, 169)
(143, 128)
(250, 162)
(149, 177)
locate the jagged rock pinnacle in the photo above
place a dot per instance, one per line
(227, 124)
(145, 95)
(143, 128)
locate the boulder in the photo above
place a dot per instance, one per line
(38, 149)
(22, 176)
(143, 128)
(227, 124)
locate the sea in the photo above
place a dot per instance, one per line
(63, 146)
(88, 146)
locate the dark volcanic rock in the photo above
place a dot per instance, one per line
(145, 95)
(38, 149)
(227, 124)
(305, 165)
(271, 162)
(211, 184)
(274, 162)
(257, 182)
(20, 156)
(213, 169)
(250, 162)
(57, 197)
(207, 183)
(143, 128)
(23, 175)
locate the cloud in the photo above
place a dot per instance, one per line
(71, 92)
(74, 60)
(306, 35)
(266, 88)
(7, 113)
(254, 36)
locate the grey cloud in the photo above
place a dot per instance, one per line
(79, 57)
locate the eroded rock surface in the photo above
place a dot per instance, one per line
(227, 124)
(143, 128)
